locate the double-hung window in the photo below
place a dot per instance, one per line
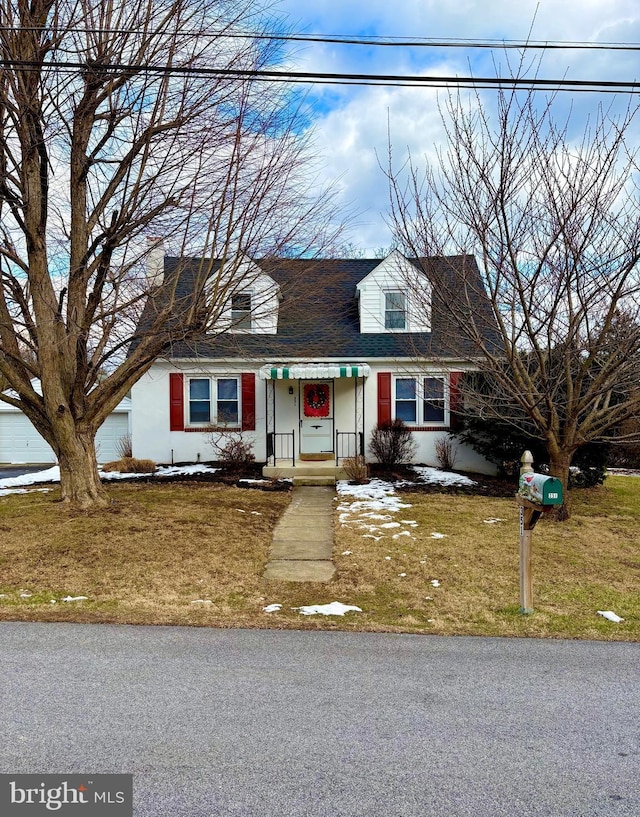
(433, 400)
(214, 401)
(395, 310)
(241, 312)
(420, 400)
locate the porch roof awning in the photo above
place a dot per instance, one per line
(314, 371)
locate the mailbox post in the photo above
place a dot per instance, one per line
(537, 494)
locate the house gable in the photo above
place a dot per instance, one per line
(249, 298)
(394, 297)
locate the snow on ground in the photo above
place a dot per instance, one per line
(336, 608)
(50, 475)
(426, 473)
(609, 614)
(15, 485)
(370, 507)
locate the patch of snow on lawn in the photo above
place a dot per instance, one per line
(428, 474)
(184, 470)
(609, 614)
(272, 608)
(48, 475)
(53, 475)
(375, 502)
(336, 608)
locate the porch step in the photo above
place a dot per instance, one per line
(323, 470)
(314, 480)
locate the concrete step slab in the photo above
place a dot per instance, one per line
(313, 527)
(292, 570)
(300, 549)
(310, 481)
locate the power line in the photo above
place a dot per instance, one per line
(322, 78)
(383, 41)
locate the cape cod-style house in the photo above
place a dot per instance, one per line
(306, 357)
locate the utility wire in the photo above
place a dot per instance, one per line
(321, 78)
(383, 41)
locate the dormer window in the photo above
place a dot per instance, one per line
(241, 312)
(395, 310)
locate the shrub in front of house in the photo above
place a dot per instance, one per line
(504, 445)
(234, 453)
(356, 469)
(130, 465)
(124, 447)
(392, 443)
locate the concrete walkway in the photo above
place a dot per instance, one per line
(302, 544)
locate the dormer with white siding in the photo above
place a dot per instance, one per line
(250, 298)
(394, 297)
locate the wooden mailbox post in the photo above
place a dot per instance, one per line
(537, 494)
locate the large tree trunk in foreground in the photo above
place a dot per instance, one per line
(79, 479)
(100, 159)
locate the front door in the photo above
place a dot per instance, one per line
(316, 418)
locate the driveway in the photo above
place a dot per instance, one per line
(16, 470)
(308, 724)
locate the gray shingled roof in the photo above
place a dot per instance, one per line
(318, 314)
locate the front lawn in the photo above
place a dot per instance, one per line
(194, 553)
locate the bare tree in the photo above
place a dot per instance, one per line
(553, 317)
(119, 122)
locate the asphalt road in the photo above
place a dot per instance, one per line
(279, 724)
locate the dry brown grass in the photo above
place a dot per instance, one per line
(145, 560)
(162, 547)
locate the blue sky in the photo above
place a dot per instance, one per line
(351, 123)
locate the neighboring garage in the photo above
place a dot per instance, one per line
(21, 443)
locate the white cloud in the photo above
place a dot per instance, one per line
(351, 122)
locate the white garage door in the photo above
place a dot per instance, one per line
(114, 428)
(20, 442)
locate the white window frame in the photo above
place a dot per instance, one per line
(214, 419)
(236, 323)
(419, 398)
(393, 291)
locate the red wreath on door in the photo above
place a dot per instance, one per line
(316, 400)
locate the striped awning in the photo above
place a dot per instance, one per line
(314, 371)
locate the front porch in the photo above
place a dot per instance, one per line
(314, 420)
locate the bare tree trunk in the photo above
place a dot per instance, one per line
(79, 479)
(559, 467)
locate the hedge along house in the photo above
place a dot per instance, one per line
(306, 357)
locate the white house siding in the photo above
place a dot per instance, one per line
(151, 435)
(264, 297)
(153, 439)
(394, 273)
(467, 459)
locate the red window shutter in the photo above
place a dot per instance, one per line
(176, 401)
(455, 400)
(248, 401)
(384, 397)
